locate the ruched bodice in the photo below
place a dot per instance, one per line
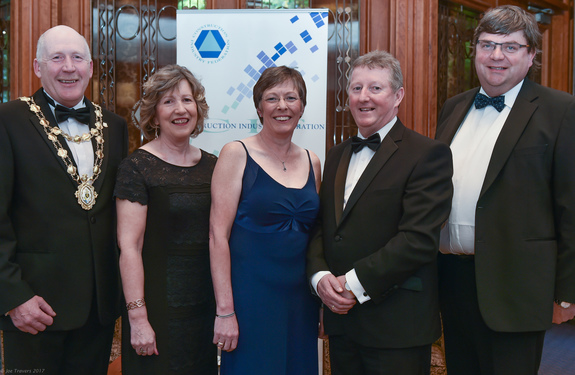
(276, 313)
(266, 206)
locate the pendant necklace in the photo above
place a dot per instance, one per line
(281, 161)
(86, 194)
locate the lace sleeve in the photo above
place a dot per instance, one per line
(130, 182)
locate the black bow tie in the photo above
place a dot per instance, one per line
(80, 114)
(372, 142)
(64, 113)
(482, 101)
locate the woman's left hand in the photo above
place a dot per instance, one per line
(143, 337)
(226, 333)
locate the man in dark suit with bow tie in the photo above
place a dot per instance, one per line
(372, 259)
(508, 249)
(59, 277)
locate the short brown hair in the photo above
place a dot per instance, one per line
(163, 81)
(381, 60)
(274, 76)
(507, 19)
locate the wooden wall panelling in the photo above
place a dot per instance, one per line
(560, 46)
(26, 23)
(544, 56)
(408, 30)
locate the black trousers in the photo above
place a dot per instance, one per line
(471, 347)
(82, 351)
(350, 358)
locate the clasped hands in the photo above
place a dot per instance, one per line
(333, 294)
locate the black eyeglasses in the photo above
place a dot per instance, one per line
(507, 48)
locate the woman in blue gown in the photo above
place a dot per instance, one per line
(264, 205)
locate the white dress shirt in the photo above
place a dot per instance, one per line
(83, 153)
(357, 164)
(472, 147)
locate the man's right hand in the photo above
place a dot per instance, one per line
(32, 316)
(330, 291)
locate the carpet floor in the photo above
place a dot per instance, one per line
(559, 351)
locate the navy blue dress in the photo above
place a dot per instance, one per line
(277, 315)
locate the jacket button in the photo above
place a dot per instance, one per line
(337, 238)
(93, 219)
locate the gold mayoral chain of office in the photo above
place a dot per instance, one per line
(85, 193)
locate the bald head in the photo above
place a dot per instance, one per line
(61, 32)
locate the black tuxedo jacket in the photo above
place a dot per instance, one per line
(388, 232)
(525, 215)
(49, 245)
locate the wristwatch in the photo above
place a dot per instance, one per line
(563, 304)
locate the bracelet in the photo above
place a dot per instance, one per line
(135, 304)
(227, 315)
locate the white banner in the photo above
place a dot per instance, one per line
(229, 49)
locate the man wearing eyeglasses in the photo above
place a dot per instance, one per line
(507, 268)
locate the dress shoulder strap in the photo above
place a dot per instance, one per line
(245, 148)
(311, 172)
(308, 157)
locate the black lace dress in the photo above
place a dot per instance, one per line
(178, 287)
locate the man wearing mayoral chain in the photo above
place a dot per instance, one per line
(59, 283)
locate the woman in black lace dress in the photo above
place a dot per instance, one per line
(163, 204)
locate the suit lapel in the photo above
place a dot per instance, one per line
(456, 117)
(387, 148)
(339, 183)
(516, 122)
(47, 111)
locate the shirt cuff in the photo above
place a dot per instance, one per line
(356, 287)
(316, 278)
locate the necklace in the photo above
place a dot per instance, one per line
(281, 161)
(85, 193)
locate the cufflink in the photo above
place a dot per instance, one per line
(564, 305)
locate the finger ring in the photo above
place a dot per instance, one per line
(332, 307)
(220, 344)
(142, 350)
